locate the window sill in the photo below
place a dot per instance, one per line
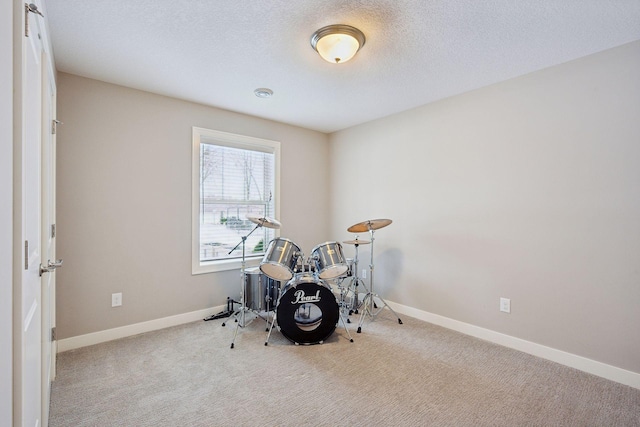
(224, 265)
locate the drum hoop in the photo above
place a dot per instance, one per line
(312, 276)
(325, 244)
(286, 240)
(277, 264)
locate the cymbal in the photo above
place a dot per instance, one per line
(371, 224)
(264, 221)
(357, 242)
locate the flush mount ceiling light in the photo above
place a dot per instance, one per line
(337, 43)
(263, 92)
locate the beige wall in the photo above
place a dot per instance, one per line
(528, 189)
(124, 204)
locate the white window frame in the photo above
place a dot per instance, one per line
(235, 141)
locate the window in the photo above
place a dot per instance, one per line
(234, 176)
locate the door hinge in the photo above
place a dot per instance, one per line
(53, 334)
(26, 20)
(26, 254)
(29, 7)
(53, 231)
(54, 126)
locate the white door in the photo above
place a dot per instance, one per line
(48, 238)
(30, 350)
(7, 247)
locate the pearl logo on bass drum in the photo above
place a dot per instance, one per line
(300, 297)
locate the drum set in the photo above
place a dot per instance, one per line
(298, 292)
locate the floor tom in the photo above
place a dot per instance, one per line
(260, 292)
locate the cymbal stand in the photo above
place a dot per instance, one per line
(368, 302)
(353, 284)
(341, 317)
(240, 314)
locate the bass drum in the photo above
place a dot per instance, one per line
(307, 310)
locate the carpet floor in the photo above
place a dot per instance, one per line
(391, 375)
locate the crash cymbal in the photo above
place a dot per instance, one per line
(356, 242)
(264, 221)
(372, 224)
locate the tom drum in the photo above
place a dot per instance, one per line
(329, 260)
(280, 259)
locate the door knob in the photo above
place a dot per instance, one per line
(50, 266)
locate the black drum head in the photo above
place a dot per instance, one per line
(307, 313)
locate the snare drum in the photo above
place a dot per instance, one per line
(350, 267)
(307, 310)
(260, 291)
(329, 260)
(280, 260)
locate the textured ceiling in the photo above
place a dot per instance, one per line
(216, 52)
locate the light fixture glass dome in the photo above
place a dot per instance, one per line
(263, 92)
(337, 43)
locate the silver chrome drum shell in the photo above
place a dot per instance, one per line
(329, 260)
(260, 291)
(350, 267)
(280, 259)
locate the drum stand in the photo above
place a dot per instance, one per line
(368, 302)
(240, 314)
(353, 284)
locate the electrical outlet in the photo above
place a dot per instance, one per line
(116, 299)
(505, 305)
(364, 273)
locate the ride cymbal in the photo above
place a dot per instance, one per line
(264, 221)
(371, 224)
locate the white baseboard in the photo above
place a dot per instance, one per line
(135, 329)
(600, 369)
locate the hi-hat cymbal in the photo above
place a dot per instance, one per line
(356, 242)
(371, 224)
(264, 221)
